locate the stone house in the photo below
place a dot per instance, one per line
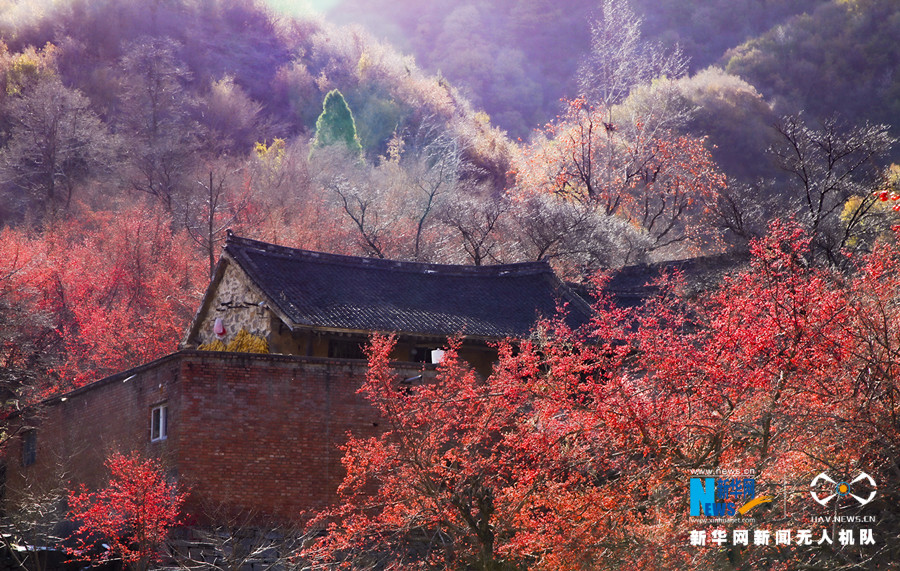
(258, 433)
(324, 305)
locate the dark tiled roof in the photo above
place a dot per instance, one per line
(632, 285)
(314, 289)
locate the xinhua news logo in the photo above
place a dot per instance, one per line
(723, 497)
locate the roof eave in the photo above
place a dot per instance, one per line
(323, 330)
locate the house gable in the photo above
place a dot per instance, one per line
(233, 298)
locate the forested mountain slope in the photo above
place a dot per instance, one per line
(517, 58)
(280, 68)
(842, 58)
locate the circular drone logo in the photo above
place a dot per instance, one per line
(823, 493)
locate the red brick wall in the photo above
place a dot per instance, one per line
(250, 433)
(76, 434)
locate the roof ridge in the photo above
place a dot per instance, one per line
(513, 269)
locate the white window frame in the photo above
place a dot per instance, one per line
(159, 422)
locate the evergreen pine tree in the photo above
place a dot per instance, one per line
(336, 125)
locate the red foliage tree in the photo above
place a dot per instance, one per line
(117, 288)
(655, 179)
(576, 452)
(763, 357)
(29, 344)
(132, 515)
(530, 467)
(872, 416)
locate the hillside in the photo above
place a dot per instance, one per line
(841, 58)
(281, 68)
(517, 59)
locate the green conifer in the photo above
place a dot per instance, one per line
(336, 125)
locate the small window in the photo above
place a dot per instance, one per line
(159, 420)
(29, 447)
(346, 349)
